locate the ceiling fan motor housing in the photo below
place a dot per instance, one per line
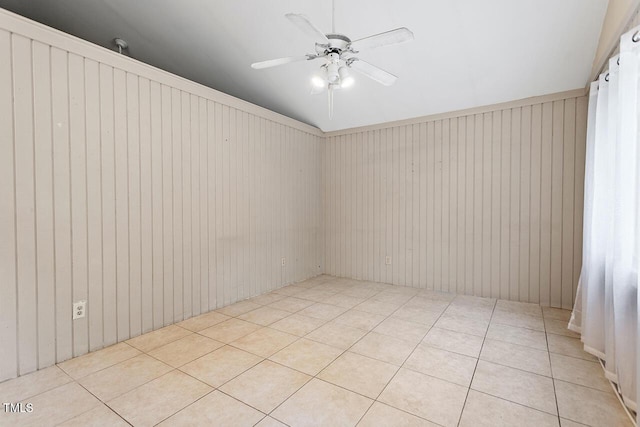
(338, 42)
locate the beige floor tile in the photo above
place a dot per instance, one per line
(377, 307)
(559, 327)
(319, 403)
(518, 319)
(556, 314)
(383, 347)
(392, 297)
(360, 319)
(403, 329)
(185, 350)
(52, 407)
(264, 315)
(384, 415)
(316, 295)
(220, 366)
(308, 284)
(568, 346)
(359, 373)
(520, 336)
(578, 371)
(590, 407)
(230, 330)
(442, 364)
(264, 342)
(270, 422)
(203, 321)
(568, 423)
(297, 324)
(360, 292)
(335, 287)
(427, 304)
(417, 315)
(101, 416)
(289, 290)
(470, 311)
(457, 342)
(306, 356)
(436, 296)
(462, 324)
(215, 409)
(157, 338)
(336, 335)
(124, 376)
(32, 384)
(89, 363)
(525, 388)
(342, 300)
(266, 385)
(431, 398)
(322, 311)
(153, 402)
(266, 299)
(238, 308)
(401, 289)
(518, 307)
(473, 301)
(516, 356)
(482, 410)
(291, 304)
(370, 285)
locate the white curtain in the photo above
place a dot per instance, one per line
(607, 303)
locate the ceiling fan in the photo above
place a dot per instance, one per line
(339, 53)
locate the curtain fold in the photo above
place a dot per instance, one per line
(607, 302)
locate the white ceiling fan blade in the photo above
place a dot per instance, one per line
(373, 72)
(307, 27)
(279, 61)
(399, 35)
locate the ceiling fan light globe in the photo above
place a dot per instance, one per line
(345, 79)
(347, 82)
(318, 81)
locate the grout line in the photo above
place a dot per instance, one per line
(343, 352)
(516, 403)
(476, 367)
(408, 356)
(372, 297)
(101, 369)
(99, 400)
(179, 410)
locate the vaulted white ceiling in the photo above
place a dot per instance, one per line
(466, 53)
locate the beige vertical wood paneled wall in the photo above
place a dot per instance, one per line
(149, 196)
(486, 204)
(156, 199)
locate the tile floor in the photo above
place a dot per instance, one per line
(334, 352)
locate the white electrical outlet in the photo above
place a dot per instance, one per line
(79, 309)
(387, 260)
(284, 261)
